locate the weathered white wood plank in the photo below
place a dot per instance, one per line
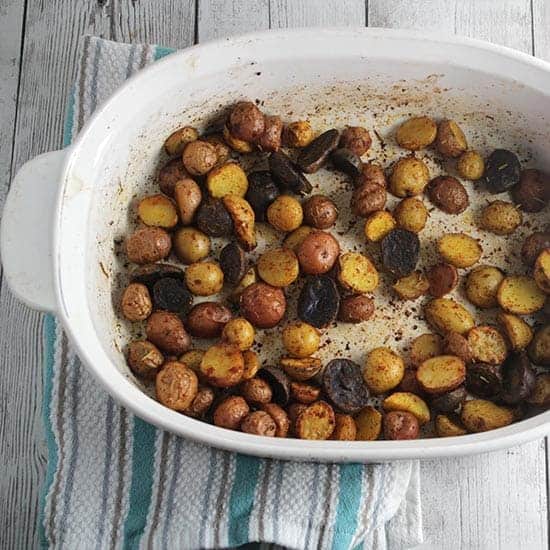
(49, 56)
(541, 24)
(312, 13)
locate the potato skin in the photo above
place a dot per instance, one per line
(532, 193)
(207, 319)
(136, 304)
(356, 139)
(409, 177)
(482, 286)
(144, 358)
(296, 238)
(301, 339)
(471, 165)
(371, 172)
(176, 386)
(411, 286)
(280, 417)
(166, 331)
(450, 140)
(448, 426)
(355, 308)
(383, 370)
(201, 403)
(188, 197)
(298, 134)
(227, 179)
(501, 218)
(411, 214)
(304, 393)
(534, 245)
(457, 345)
(246, 121)
(368, 198)
(318, 253)
(539, 349)
(148, 245)
(199, 157)
(176, 141)
(448, 194)
(263, 305)
(172, 172)
(204, 278)
(240, 332)
(271, 138)
(444, 314)
(256, 391)
(235, 143)
(403, 401)
(320, 212)
(243, 218)
(231, 412)
(416, 133)
(443, 279)
(259, 423)
(285, 213)
(400, 425)
(541, 272)
(479, 415)
(191, 245)
(301, 369)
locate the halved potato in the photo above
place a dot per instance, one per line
(541, 272)
(158, 211)
(459, 249)
(294, 240)
(405, 401)
(369, 424)
(304, 393)
(383, 370)
(301, 369)
(447, 426)
(235, 143)
(250, 277)
(227, 179)
(482, 286)
(223, 365)
(278, 267)
(175, 143)
(251, 364)
(480, 415)
(520, 294)
(441, 374)
(539, 348)
(424, 347)
(243, 220)
(315, 422)
(519, 333)
(487, 345)
(412, 286)
(192, 359)
(357, 273)
(378, 225)
(446, 315)
(345, 428)
(541, 393)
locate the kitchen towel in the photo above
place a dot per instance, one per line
(114, 481)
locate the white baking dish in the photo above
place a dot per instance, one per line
(65, 207)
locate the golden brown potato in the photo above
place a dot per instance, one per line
(378, 225)
(371, 172)
(441, 374)
(246, 121)
(166, 331)
(356, 139)
(239, 332)
(479, 415)
(357, 273)
(411, 214)
(148, 245)
(450, 140)
(315, 422)
(175, 143)
(263, 305)
(416, 133)
(204, 278)
(176, 386)
(301, 369)
(448, 426)
(231, 412)
(251, 364)
(304, 393)
(236, 144)
(199, 157)
(320, 212)
(458, 345)
(411, 286)
(259, 423)
(172, 172)
(541, 273)
(144, 358)
(383, 370)
(157, 211)
(409, 402)
(223, 152)
(519, 333)
(520, 294)
(500, 218)
(368, 422)
(296, 238)
(318, 253)
(459, 249)
(223, 365)
(298, 134)
(192, 359)
(470, 165)
(278, 267)
(207, 319)
(202, 402)
(243, 220)
(367, 198)
(345, 428)
(270, 140)
(301, 339)
(256, 391)
(250, 277)
(482, 286)
(136, 304)
(541, 393)
(539, 349)
(488, 345)
(227, 179)
(191, 245)
(188, 197)
(285, 213)
(280, 417)
(444, 315)
(409, 177)
(424, 347)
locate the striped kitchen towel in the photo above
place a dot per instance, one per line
(114, 481)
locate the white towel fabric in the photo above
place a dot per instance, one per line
(115, 481)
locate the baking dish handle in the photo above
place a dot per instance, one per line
(26, 230)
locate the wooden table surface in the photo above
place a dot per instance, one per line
(498, 500)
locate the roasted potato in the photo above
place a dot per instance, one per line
(383, 370)
(176, 386)
(166, 331)
(541, 273)
(450, 140)
(448, 426)
(262, 191)
(357, 273)
(367, 198)
(204, 278)
(320, 212)
(500, 218)
(344, 385)
(356, 139)
(172, 172)
(192, 359)
(345, 428)
(223, 151)
(479, 415)
(347, 161)
(259, 423)
(278, 267)
(263, 305)
(520, 294)
(315, 422)
(207, 319)
(400, 425)
(251, 364)
(201, 403)
(448, 194)
(458, 345)
(371, 172)
(539, 348)
(533, 246)
(449, 401)
(231, 412)
(409, 402)
(296, 238)
(368, 422)
(318, 301)
(298, 134)
(482, 286)
(199, 157)
(378, 225)
(213, 219)
(136, 304)
(518, 332)
(313, 157)
(532, 192)
(280, 417)
(285, 213)
(191, 245)
(400, 252)
(223, 365)
(487, 345)
(355, 308)
(459, 249)
(317, 253)
(484, 380)
(227, 179)
(175, 143)
(304, 393)
(301, 339)
(157, 211)
(246, 121)
(424, 347)
(502, 171)
(233, 263)
(239, 332)
(243, 220)
(235, 143)
(416, 133)
(301, 369)
(188, 197)
(442, 278)
(148, 245)
(256, 391)
(470, 165)
(411, 214)
(540, 397)
(411, 286)
(271, 139)
(409, 177)
(144, 358)
(518, 379)
(441, 374)
(444, 315)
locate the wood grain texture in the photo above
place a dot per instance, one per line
(541, 36)
(312, 13)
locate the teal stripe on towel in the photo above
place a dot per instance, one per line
(242, 498)
(141, 485)
(162, 52)
(349, 498)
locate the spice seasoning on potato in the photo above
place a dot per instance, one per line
(192, 359)
(356, 139)
(176, 386)
(411, 286)
(355, 308)
(317, 253)
(249, 278)
(344, 428)
(400, 425)
(285, 213)
(166, 331)
(500, 218)
(243, 219)
(263, 305)
(482, 286)
(240, 332)
(158, 211)
(367, 198)
(520, 294)
(315, 422)
(534, 245)
(148, 245)
(368, 423)
(541, 272)
(450, 140)
(231, 412)
(540, 397)
(246, 121)
(236, 144)
(532, 193)
(441, 374)
(278, 267)
(470, 165)
(227, 179)
(445, 314)
(371, 172)
(518, 332)
(479, 415)
(357, 273)
(191, 245)
(416, 133)
(207, 319)
(378, 225)
(488, 345)
(188, 197)
(409, 177)
(256, 391)
(259, 423)
(301, 369)
(251, 364)
(294, 240)
(448, 426)
(383, 370)
(213, 219)
(172, 172)
(201, 403)
(144, 358)
(271, 138)
(136, 302)
(199, 157)
(411, 214)
(408, 402)
(424, 347)
(304, 393)
(223, 365)
(279, 416)
(459, 249)
(458, 345)
(320, 212)
(448, 194)
(400, 251)
(443, 279)
(223, 152)
(204, 278)
(298, 134)
(539, 348)
(176, 141)
(300, 339)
